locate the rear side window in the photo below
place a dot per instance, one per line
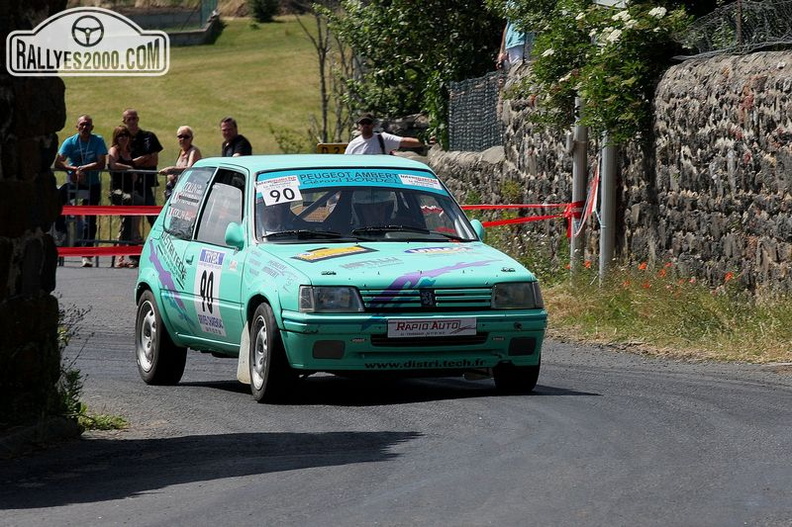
(185, 202)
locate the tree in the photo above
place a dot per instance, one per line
(335, 64)
(408, 52)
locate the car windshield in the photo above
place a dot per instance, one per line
(352, 213)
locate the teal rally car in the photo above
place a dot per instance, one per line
(352, 265)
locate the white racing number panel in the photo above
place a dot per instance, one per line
(207, 290)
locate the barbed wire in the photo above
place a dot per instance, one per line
(741, 27)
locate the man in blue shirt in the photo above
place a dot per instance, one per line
(82, 156)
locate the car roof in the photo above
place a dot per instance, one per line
(259, 163)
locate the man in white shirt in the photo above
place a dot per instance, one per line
(369, 142)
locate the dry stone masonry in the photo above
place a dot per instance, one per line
(709, 189)
(31, 110)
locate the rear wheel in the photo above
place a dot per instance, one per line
(271, 377)
(513, 379)
(159, 360)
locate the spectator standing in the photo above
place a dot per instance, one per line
(145, 149)
(123, 187)
(83, 156)
(234, 144)
(188, 155)
(369, 142)
(512, 47)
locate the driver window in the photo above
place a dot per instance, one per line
(223, 206)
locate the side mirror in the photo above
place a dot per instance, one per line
(235, 235)
(478, 227)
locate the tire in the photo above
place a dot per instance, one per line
(271, 377)
(513, 379)
(159, 360)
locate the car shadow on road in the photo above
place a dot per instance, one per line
(92, 470)
(339, 391)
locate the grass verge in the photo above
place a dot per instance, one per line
(656, 311)
(659, 312)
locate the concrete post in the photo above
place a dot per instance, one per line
(609, 180)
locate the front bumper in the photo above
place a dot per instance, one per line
(360, 342)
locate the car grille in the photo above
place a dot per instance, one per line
(426, 299)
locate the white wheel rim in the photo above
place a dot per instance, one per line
(147, 335)
(260, 352)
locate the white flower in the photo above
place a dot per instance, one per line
(656, 30)
(629, 24)
(621, 15)
(548, 52)
(658, 12)
(614, 36)
(565, 77)
(593, 32)
(581, 15)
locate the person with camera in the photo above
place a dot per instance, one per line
(82, 156)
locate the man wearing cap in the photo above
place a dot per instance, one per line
(369, 142)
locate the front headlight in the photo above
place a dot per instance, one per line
(323, 299)
(518, 295)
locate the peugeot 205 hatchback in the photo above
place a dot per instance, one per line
(297, 264)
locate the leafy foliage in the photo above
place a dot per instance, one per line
(408, 53)
(71, 382)
(612, 58)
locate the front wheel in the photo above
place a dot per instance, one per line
(513, 379)
(271, 377)
(159, 360)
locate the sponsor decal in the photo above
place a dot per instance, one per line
(167, 283)
(444, 249)
(279, 190)
(87, 41)
(451, 327)
(348, 176)
(326, 253)
(173, 260)
(421, 279)
(376, 262)
(414, 364)
(206, 290)
(279, 270)
(420, 181)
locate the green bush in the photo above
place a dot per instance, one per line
(264, 10)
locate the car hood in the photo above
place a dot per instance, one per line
(399, 264)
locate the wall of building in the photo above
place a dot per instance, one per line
(709, 189)
(31, 111)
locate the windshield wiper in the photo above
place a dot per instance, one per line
(303, 234)
(389, 228)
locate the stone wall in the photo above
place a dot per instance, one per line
(31, 110)
(709, 189)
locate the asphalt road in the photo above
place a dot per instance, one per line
(608, 439)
